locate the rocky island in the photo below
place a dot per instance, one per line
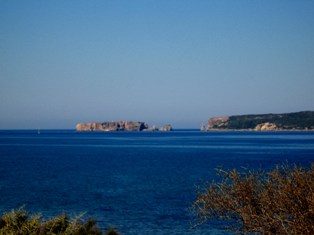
(263, 122)
(120, 126)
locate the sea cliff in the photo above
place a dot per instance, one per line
(112, 126)
(120, 126)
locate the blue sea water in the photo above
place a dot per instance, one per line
(138, 182)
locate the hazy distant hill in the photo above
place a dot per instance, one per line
(286, 121)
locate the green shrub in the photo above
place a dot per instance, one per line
(19, 222)
(278, 202)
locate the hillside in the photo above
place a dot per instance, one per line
(260, 122)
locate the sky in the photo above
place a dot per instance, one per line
(160, 61)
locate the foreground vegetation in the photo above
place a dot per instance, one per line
(278, 202)
(20, 222)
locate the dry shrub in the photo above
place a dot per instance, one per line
(277, 202)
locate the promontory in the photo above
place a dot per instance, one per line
(120, 126)
(263, 122)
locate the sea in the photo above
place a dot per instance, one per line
(137, 182)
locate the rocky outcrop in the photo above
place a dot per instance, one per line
(266, 127)
(203, 127)
(120, 126)
(112, 126)
(219, 122)
(167, 127)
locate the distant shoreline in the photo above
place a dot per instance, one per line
(252, 130)
(174, 130)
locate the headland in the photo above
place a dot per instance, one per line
(297, 121)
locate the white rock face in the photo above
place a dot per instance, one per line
(217, 122)
(267, 126)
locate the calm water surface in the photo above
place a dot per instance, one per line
(139, 182)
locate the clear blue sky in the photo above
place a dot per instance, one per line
(159, 61)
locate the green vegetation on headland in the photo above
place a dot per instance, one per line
(20, 222)
(280, 201)
(264, 122)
